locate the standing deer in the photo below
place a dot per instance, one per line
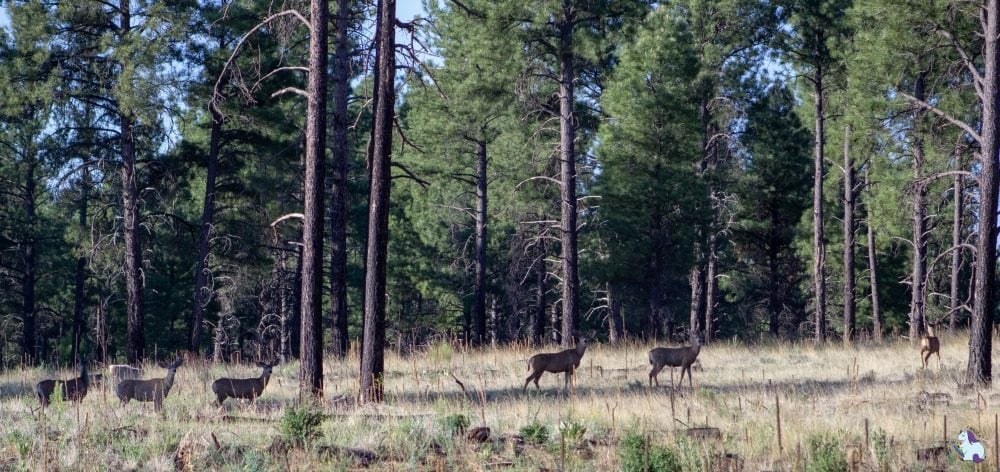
(248, 389)
(930, 344)
(152, 390)
(681, 357)
(72, 389)
(564, 361)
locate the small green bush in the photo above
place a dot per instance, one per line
(639, 455)
(572, 432)
(881, 446)
(455, 423)
(301, 424)
(535, 433)
(825, 454)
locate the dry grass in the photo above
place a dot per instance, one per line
(830, 390)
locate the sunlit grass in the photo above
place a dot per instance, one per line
(831, 390)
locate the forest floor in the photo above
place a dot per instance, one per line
(611, 419)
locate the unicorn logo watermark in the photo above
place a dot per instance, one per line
(970, 449)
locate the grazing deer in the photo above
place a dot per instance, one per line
(681, 357)
(152, 390)
(248, 389)
(930, 344)
(564, 361)
(72, 389)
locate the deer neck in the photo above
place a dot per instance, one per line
(264, 379)
(580, 349)
(168, 381)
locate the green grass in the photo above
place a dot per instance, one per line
(825, 393)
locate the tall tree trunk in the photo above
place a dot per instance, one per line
(29, 345)
(134, 280)
(556, 333)
(79, 292)
(980, 368)
(567, 139)
(372, 352)
(774, 294)
(697, 282)
(819, 240)
(956, 253)
(872, 264)
(919, 268)
(711, 287)
(311, 354)
(479, 306)
(615, 333)
(538, 325)
(202, 292)
(850, 303)
(284, 309)
(338, 182)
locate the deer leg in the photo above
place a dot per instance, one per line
(925, 355)
(690, 381)
(939, 359)
(671, 376)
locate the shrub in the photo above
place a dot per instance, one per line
(572, 432)
(535, 433)
(825, 454)
(638, 455)
(300, 425)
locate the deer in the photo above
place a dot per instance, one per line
(152, 390)
(930, 344)
(248, 389)
(119, 372)
(72, 389)
(681, 357)
(555, 362)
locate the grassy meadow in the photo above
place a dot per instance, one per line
(611, 419)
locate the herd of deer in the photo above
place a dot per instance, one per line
(128, 386)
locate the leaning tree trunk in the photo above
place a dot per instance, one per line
(850, 303)
(919, 269)
(872, 264)
(567, 138)
(79, 292)
(956, 253)
(819, 241)
(980, 367)
(311, 347)
(29, 346)
(479, 306)
(338, 182)
(202, 275)
(372, 352)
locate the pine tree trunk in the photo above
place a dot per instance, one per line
(697, 282)
(311, 347)
(873, 265)
(956, 253)
(479, 306)
(614, 317)
(338, 182)
(79, 292)
(556, 333)
(284, 310)
(538, 324)
(980, 367)
(711, 287)
(567, 139)
(372, 352)
(819, 240)
(202, 292)
(776, 286)
(919, 268)
(29, 345)
(850, 303)
(134, 281)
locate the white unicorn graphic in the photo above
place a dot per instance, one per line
(970, 449)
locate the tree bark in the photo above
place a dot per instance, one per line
(479, 306)
(567, 138)
(79, 292)
(850, 303)
(134, 280)
(819, 240)
(980, 367)
(338, 182)
(202, 275)
(29, 345)
(873, 265)
(538, 325)
(956, 254)
(311, 347)
(372, 353)
(919, 269)
(711, 287)
(614, 317)
(697, 282)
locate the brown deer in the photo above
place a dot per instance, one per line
(248, 389)
(681, 357)
(930, 344)
(152, 390)
(72, 389)
(564, 361)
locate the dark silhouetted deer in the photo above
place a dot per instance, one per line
(248, 389)
(72, 389)
(564, 361)
(681, 357)
(152, 390)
